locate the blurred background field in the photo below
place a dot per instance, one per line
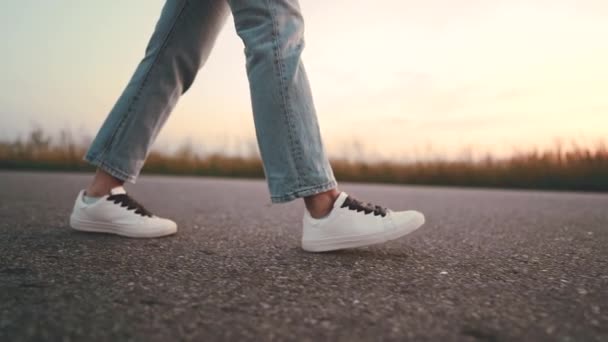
(462, 93)
(563, 167)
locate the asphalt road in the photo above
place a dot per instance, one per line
(489, 265)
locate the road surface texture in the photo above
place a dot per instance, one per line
(489, 265)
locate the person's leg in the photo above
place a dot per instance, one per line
(181, 42)
(179, 46)
(288, 134)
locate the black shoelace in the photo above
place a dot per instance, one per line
(354, 204)
(125, 201)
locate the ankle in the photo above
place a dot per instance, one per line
(96, 191)
(102, 183)
(320, 205)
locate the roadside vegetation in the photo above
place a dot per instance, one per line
(578, 168)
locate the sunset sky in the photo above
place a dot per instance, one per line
(402, 78)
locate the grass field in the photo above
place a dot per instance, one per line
(582, 169)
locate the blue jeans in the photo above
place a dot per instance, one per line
(295, 163)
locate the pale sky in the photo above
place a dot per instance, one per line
(402, 78)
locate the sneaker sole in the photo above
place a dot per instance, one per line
(108, 228)
(365, 240)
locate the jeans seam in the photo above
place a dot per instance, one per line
(284, 93)
(135, 98)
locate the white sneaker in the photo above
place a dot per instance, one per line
(352, 223)
(117, 213)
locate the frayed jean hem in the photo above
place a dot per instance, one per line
(304, 192)
(111, 169)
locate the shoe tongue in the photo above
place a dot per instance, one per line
(118, 190)
(340, 200)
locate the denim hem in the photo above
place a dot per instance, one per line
(112, 170)
(303, 192)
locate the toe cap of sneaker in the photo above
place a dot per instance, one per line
(407, 221)
(162, 227)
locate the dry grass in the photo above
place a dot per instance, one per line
(580, 168)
